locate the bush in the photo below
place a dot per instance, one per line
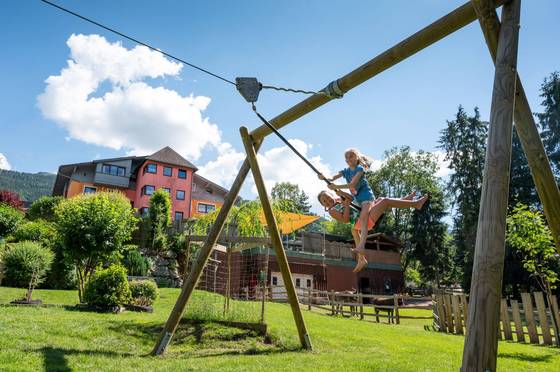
(38, 231)
(135, 263)
(144, 292)
(11, 198)
(43, 208)
(108, 288)
(10, 218)
(26, 264)
(63, 271)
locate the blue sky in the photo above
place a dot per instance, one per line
(298, 44)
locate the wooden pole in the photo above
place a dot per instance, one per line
(481, 343)
(276, 239)
(432, 33)
(526, 128)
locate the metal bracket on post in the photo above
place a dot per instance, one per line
(333, 90)
(249, 88)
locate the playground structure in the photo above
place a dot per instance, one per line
(508, 103)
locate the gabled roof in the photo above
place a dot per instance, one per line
(169, 156)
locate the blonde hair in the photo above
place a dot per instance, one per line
(363, 160)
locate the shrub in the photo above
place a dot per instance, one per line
(26, 264)
(38, 231)
(144, 292)
(11, 198)
(91, 228)
(135, 263)
(108, 288)
(43, 208)
(10, 218)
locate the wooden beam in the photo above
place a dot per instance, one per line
(276, 239)
(481, 342)
(434, 32)
(526, 128)
(194, 275)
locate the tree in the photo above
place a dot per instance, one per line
(549, 120)
(528, 234)
(11, 198)
(464, 141)
(27, 263)
(43, 208)
(521, 184)
(93, 227)
(430, 241)
(404, 171)
(10, 218)
(298, 201)
(160, 219)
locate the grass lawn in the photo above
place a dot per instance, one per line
(61, 339)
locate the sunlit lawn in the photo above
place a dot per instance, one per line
(59, 338)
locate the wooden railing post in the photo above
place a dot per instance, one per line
(396, 302)
(361, 302)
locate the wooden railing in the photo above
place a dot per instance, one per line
(359, 305)
(538, 322)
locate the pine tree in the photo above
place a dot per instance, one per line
(549, 120)
(464, 141)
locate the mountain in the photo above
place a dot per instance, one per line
(29, 186)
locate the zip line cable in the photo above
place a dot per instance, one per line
(168, 54)
(283, 139)
(138, 41)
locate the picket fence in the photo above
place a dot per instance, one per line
(532, 317)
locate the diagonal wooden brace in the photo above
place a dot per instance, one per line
(525, 126)
(275, 238)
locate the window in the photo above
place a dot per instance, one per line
(148, 190)
(113, 170)
(167, 190)
(182, 173)
(90, 190)
(150, 168)
(180, 195)
(308, 283)
(274, 280)
(144, 211)
(298, 282)
(167, 171)
(206, 208)
(178, 216)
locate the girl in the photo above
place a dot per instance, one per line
(363, 195)
(339, 209)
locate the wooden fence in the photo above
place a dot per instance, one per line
(355, 304)
(531, 317)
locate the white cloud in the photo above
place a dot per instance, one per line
(280, 164)
(226, 166)
(4, 164)
(443, 165)
(100, 98)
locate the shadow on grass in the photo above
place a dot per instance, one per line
(54, 358)
(526, 357)
(208, 338)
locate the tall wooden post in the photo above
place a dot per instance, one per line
(545, 183)
(275, 239)
(481, 343)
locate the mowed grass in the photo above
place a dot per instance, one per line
(62, 339)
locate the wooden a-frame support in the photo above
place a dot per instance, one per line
(546, 186)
